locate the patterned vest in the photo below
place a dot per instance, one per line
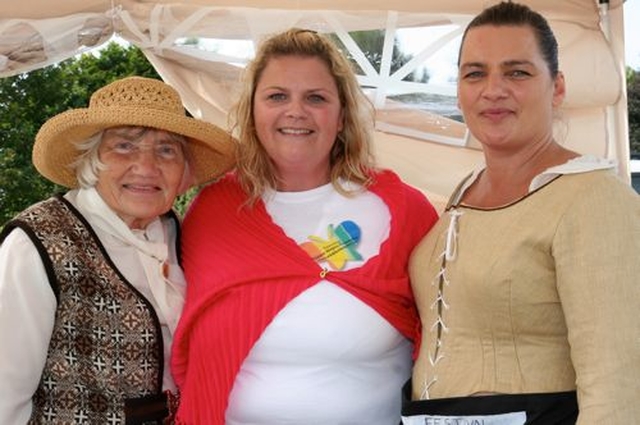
(106, 344)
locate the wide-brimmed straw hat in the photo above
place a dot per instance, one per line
(134, 101)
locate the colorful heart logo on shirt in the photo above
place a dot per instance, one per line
(338, 248)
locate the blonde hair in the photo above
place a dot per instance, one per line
(351, 155)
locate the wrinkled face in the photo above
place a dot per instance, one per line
(145, 170)
(505, 89)
(298, 115)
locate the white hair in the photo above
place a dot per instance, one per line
(88, 165)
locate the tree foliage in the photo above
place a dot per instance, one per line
(371, 43)
(28, 100)
(633, 104)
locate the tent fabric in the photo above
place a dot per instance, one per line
(429, 151)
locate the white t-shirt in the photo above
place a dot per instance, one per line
(326, 358)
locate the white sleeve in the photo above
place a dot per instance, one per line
(27, 315)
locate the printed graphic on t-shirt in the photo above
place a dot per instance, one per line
(338, 248)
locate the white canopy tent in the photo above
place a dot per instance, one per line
(428, 150)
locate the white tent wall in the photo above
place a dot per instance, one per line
(428, 151)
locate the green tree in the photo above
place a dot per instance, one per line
(371, 43)
(633, 104)
(28, 100)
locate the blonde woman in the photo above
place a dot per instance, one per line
(299, 308)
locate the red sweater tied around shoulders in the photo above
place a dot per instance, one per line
(242, 270)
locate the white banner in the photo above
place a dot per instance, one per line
(515, 418)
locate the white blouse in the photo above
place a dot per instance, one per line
(28, 305)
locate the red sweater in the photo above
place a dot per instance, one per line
(242, 270)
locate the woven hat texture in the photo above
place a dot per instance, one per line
(135, 101)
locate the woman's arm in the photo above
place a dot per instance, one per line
(27, 314)
(597, 253)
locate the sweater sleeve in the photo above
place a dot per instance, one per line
(241, 270)
(596, 249)
(412, 218)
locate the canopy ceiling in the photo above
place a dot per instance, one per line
(430, 150)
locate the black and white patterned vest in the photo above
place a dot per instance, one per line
(106, 344)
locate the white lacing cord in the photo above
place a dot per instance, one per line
(449, 254)
(451, 243)
(424, 395)
(439, 323)
(439, 301)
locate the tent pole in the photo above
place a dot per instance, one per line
(614, 146)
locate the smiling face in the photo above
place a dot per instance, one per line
(298, 115)
(145, 170)
(505, 89)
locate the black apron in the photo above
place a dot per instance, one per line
(505, 409)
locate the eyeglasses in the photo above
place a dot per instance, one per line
(167, 151)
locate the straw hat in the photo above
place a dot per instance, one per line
(135, 101)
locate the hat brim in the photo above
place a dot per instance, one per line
(211, 149)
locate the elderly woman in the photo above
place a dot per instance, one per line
(90, 284)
